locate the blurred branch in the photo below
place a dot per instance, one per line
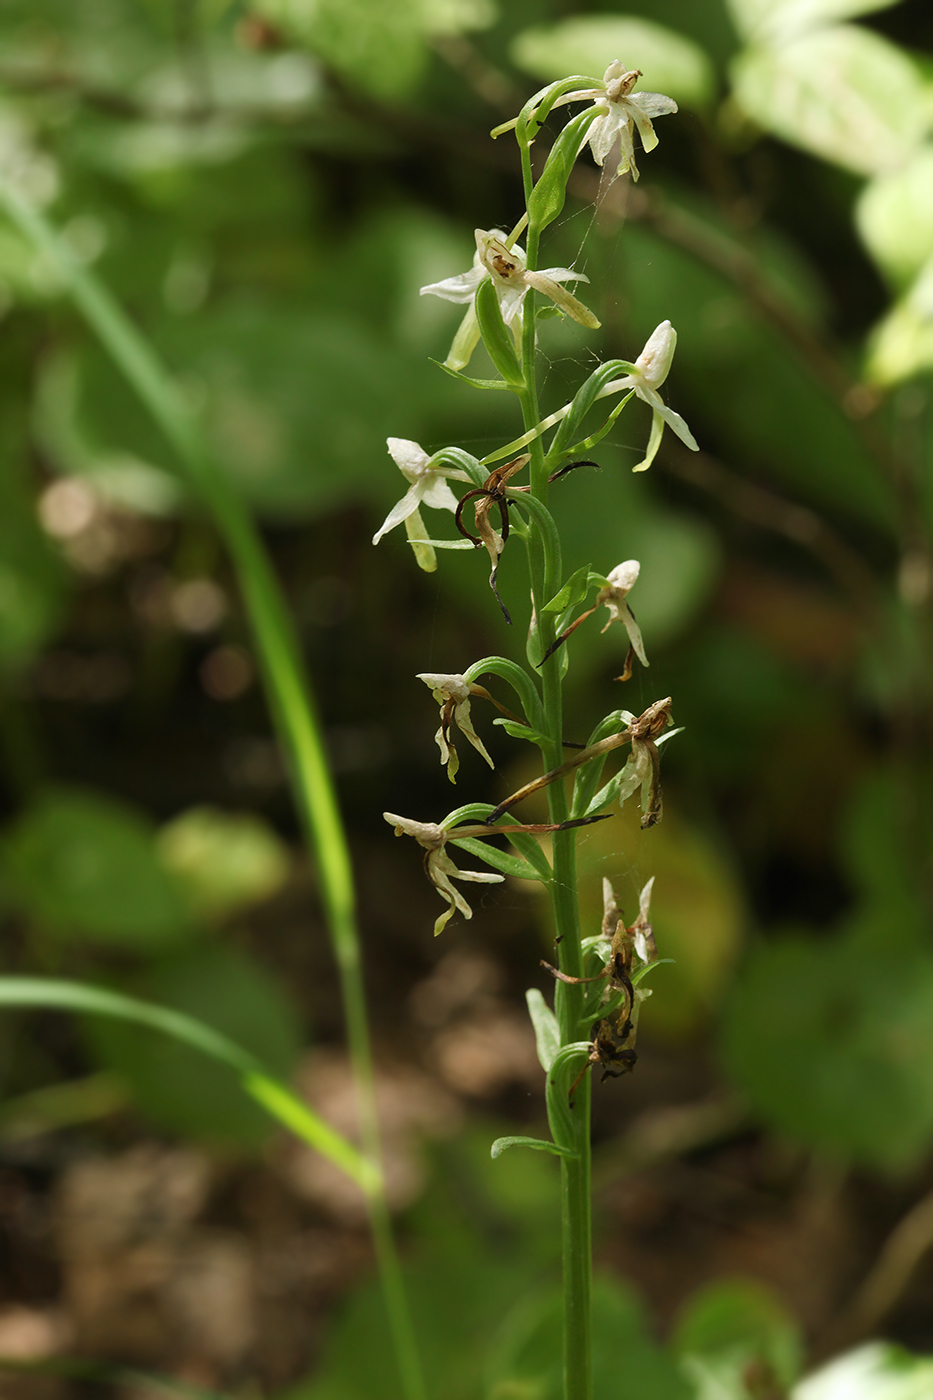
(61, 1106)
(663, 1134)
(764, 508)
(886, 1281)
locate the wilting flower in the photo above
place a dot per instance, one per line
(625, 110)
(648, 374)
(492, 492)
(438, 866)
(427, 486)
(512, 279)
(643, 769)
(453, 693)
(621, 581)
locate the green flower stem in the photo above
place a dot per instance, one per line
(290, 698)
(576, 1222)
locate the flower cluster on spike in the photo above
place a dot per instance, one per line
(505, 291)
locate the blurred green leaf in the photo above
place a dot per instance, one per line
(85, 866)
(776, 21)
(733, 1328)
(526, 1357)
(378, 45)
(181, 1090)
(224, 861)
(124, 458)
(835, 1049)
(895, 217)
(877, 1371)
(845, 94)
(669, 62)
(901, 345)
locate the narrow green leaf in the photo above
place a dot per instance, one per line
(518, 679)
(499, 860)
(547, 1031)
(573, 591)
(522, 731)
(468, 378)
(539, 1144)
(276, 1098)
(496, 335)
(446, 544)
(547, 197)
(568, 1062)
(580, 405)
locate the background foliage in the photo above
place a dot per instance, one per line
(266, 186)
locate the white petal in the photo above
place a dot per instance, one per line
(424, 554)
(654, 441)
(444, 685)
(560, 274)
(460, 288)
(634, 633)
(410, 457)
(602, 136)
(400, 511)
(438, 494)
(654, 104)
(675, 422)
(649, 137)
(654, 362)
(465, 341)
(510, 301)
(625, 575)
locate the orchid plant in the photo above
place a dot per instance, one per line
(597, 982)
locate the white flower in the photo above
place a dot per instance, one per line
(648, 374)
(427, 486)
(453, 693)
(625, 110)
(438, 866)
(621, 580)
(511, 278)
